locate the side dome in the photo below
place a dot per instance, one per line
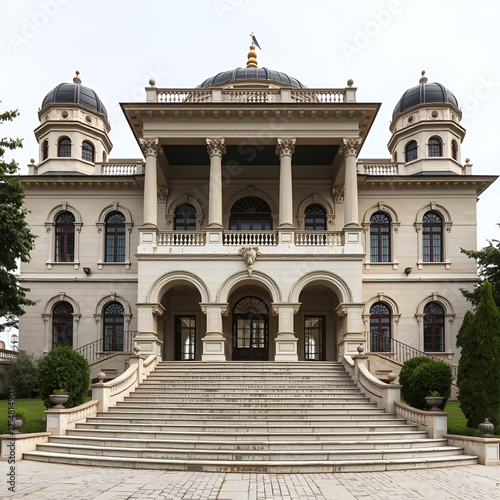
(241, 74)
(75, 93)
(424, 93)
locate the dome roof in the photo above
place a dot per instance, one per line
(241, 74)
(424, 93)
(75, 93)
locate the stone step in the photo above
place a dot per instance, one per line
(263, 397)
(247, 437)
(330, 405)
(253, 445)
(246, 390)
(292, 466)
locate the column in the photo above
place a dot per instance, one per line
(214, 343)
(353, 332)
(350, 150)
(150, 149)
(147, 325)
(286, 341)
(285, 149)
(216, 150)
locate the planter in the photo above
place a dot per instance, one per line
(58, 400)
(14, 425)
(486, 428)
(434, 402)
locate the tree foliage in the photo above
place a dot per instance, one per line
(22, 375)
(488, 260)
(16, 240)
(62, 367)
(478, 377)
(420, 376)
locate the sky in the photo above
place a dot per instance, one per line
(383, 45)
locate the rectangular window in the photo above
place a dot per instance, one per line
(185, 338)
(314, 338)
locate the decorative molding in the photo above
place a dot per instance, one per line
(162, 194)
(150, 147)
(285, 147)
(250, 255)
(350, 147)
(338, 195)
(216, 147)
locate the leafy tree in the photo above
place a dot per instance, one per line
(64, 368)
(22, 375)
(488, 260)
(16, 240)
(478, 377)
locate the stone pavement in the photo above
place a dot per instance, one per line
(39, 481)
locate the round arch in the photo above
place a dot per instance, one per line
(435, 297)
(63, 207)
(241, 278)
(250, 192)
(185, 198)
(113, 298)
(114, 207)
(62, 297)
(380, 207)
(338, 285)
(162, 284)
(386, 300)
(433, 207)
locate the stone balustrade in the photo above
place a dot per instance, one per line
(435, 423)
(59, 421)
(263, 238)
(181, 238)
(119, 168)
(369, 167)
(318, 238)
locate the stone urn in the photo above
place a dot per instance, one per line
(486, 428)
(58, 400)
(14, 425)
(435, 402)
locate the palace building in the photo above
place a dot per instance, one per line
(251, 229)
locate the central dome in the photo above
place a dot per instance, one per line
(242, 74)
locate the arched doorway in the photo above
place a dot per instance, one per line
(250, 330)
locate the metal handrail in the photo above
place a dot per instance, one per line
(93, 351)
(399, 351)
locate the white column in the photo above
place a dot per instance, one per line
(216, 150)
(214, 341)
(150, 149)
(286, 341)
(285, 149)
(350, 150)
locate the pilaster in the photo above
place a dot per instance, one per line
(214, 342)
(286, 341)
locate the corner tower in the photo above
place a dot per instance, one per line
(426, 131)
(73, 131)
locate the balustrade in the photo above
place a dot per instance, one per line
(318, 238)
(181, 238)
(263, 238)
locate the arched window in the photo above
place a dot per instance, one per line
(411, 151)
(380, 328)
(432, 237)
(433, 327)
(87, 151)
(62, 324)
(45, 150)
(380, 237)
(435, 147)
(250, 214)
(315, 218)
(454, 150)
(64, 148)
(113, 321)
(65, 237)
(115, 237)
(185, 218)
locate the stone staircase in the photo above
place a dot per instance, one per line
(249, 417)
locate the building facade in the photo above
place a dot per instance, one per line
(251, 230)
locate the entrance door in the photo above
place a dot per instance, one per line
(185, 338)
(250, 330)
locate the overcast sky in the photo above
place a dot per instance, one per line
(118, 45)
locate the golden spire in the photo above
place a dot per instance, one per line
(252, 57)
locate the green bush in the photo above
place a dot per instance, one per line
(405, 374)
(64, 368)
(22, 375)
(420, 377)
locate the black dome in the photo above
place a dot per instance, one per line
(424, 93)
(251, 74)
(75, 93)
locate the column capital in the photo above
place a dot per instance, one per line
(285, 147)
(350, 147)
(150, 147)
(216, 147)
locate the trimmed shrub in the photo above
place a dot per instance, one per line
(64, 368)
(420, 376)
(22, 375)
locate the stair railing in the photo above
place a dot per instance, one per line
(94, 351)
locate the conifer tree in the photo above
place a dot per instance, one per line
(479, 366)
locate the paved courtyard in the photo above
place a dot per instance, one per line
(39, 481)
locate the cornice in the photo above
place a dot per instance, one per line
(90, 181)
(237, 257)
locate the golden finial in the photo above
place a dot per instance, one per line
(252, 55)
(77, 78)
(424, 79)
